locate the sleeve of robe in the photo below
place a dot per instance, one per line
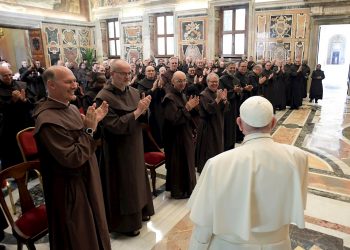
(231, 94)
(64, 148)
(313, 75)
(225, 106)
(142, 89)
(177, 115)
(210, 106)
(116, 124)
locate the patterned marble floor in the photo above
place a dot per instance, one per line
(323, 130)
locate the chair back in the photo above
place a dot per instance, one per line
(18, 174)
(27, 144)
(32, 224)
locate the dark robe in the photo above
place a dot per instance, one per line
(316, 88)
(72, 185)
(35, 84)
(125, 182)
(210, 135)
(178, 145)
(22, 70)
(14, 116)
(145, 86)
(88, 99)
(185, 67)
(296, 81)
(156, 117)
(306, 73)
(244, 95)
(82, 78)
(279, 91)
(243, 82)
(253, 80)
(228, 82)
(194, 89)
(250, 65)
(190, 79)
(287, 80)
(268, 91)
(220, 71)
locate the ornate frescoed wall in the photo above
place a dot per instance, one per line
(192, 37)
(71, 6)
(132, 41)
(111, 3)
(36, 46)
(282, 34)
(67, 43)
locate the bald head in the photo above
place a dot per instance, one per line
(61, 83)
(179, 80)
(5, 75)
(120, 73)
(150, 72)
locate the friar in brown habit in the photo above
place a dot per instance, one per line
(178, 139)
(128, 198)
(212, 105)
(72, 186)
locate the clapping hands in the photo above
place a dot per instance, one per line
(221, 95)
(93, 116)
(19, 95)
(142, 105)
(192, 102)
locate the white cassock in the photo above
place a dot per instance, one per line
(246, 198)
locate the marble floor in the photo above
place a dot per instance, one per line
(323, 130)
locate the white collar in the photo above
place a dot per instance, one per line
(255, 136)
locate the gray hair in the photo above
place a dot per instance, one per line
(212, 75)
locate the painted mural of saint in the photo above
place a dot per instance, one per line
(193, 51)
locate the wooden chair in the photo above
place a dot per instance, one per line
(27, 144)
(154, 157)
(32, 224)
(29, 150)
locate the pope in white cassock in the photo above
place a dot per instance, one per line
(246, 197)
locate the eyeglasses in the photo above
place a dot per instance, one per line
(181, 81)
(123, 73)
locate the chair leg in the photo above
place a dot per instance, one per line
(31, 246)
(19, 245)
(11, 198)
(153, 177)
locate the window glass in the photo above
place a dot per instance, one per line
(227, 44)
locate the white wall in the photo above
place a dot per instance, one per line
(336, 75)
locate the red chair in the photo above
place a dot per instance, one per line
(29, 150)
(154, 157)
(27, 144)
(32, 224)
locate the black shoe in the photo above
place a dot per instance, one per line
(2, 247)
(181, 196)
(132, 233)
(146, 218)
